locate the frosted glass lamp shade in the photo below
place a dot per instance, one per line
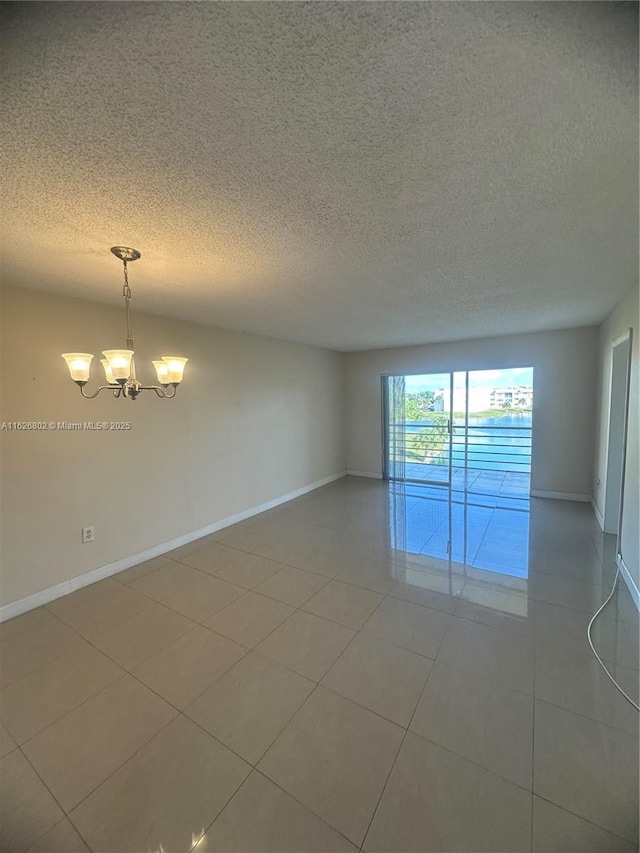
(162, 371)
(175, 367)
(119, 362)
(79, 364)
(108, 372)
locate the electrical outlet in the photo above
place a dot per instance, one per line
(88, 534)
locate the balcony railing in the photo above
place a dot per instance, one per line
(485, 449)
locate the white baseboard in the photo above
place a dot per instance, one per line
(30, 602)
(560, 496)
(369, 474)
(599, 516)
(628, 579)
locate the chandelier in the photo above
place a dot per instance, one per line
(118, 364)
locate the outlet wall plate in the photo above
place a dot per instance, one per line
(88, 534)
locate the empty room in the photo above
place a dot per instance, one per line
(319, 436)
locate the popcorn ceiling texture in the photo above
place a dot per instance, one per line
(350, 175)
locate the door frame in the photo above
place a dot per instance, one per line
(384, 379)
(614, 480)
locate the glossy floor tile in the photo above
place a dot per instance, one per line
(263, 817)
(186, 668)
(75, 754)
(249, 618)
(166, 795)
(7, 743)
(250, 705)
(92, 610)
(417, 629)
(587, 768)
(575, 681)
(39, 699)
(24, 652)
(558, 831)
(307, 644)
(370, 667)
(63, 838)
(137, 639)
(480, 720)
(292, 586)
(343, 603)
(28, 809)
(380, 676)
(335, 757)
(435, 801)
(494, 654)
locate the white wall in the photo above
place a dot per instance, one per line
(622, 318)
(255, 419)
(564, 398)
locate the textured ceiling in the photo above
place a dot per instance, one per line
(351, 175)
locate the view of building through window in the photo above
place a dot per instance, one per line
(468, 429)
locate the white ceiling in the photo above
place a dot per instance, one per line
(351, 175)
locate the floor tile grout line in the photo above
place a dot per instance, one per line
(125, 671)
(305, 806)
(346, 699)
(75, 707)
(393, 763)
(470, 761)
(50, 792)
(300, 803)
(48, 663)
(384, 788)
(179, 713)
(585, 717)
(223, 807)
(386, 595)
(155, 734)
(581, 817)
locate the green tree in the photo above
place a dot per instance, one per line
(429, 444)
(418, 405)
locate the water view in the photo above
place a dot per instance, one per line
(472, 430)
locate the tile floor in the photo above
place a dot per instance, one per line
(332, 676)
(476, 480)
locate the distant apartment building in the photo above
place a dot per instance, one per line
(480, 399)
(516, 397)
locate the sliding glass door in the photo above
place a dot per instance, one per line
(469, 430)
(418, 415)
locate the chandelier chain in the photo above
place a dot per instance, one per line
(126, 290)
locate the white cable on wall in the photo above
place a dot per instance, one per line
(599, 659)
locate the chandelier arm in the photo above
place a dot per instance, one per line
(161, 392)
(117, 388)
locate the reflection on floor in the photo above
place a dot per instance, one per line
(475, 531)
(509, 484)
(330, 676)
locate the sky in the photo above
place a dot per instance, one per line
(477, 379)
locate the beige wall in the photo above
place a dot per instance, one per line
(564, 398)
(622, 318)
(255, 419)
